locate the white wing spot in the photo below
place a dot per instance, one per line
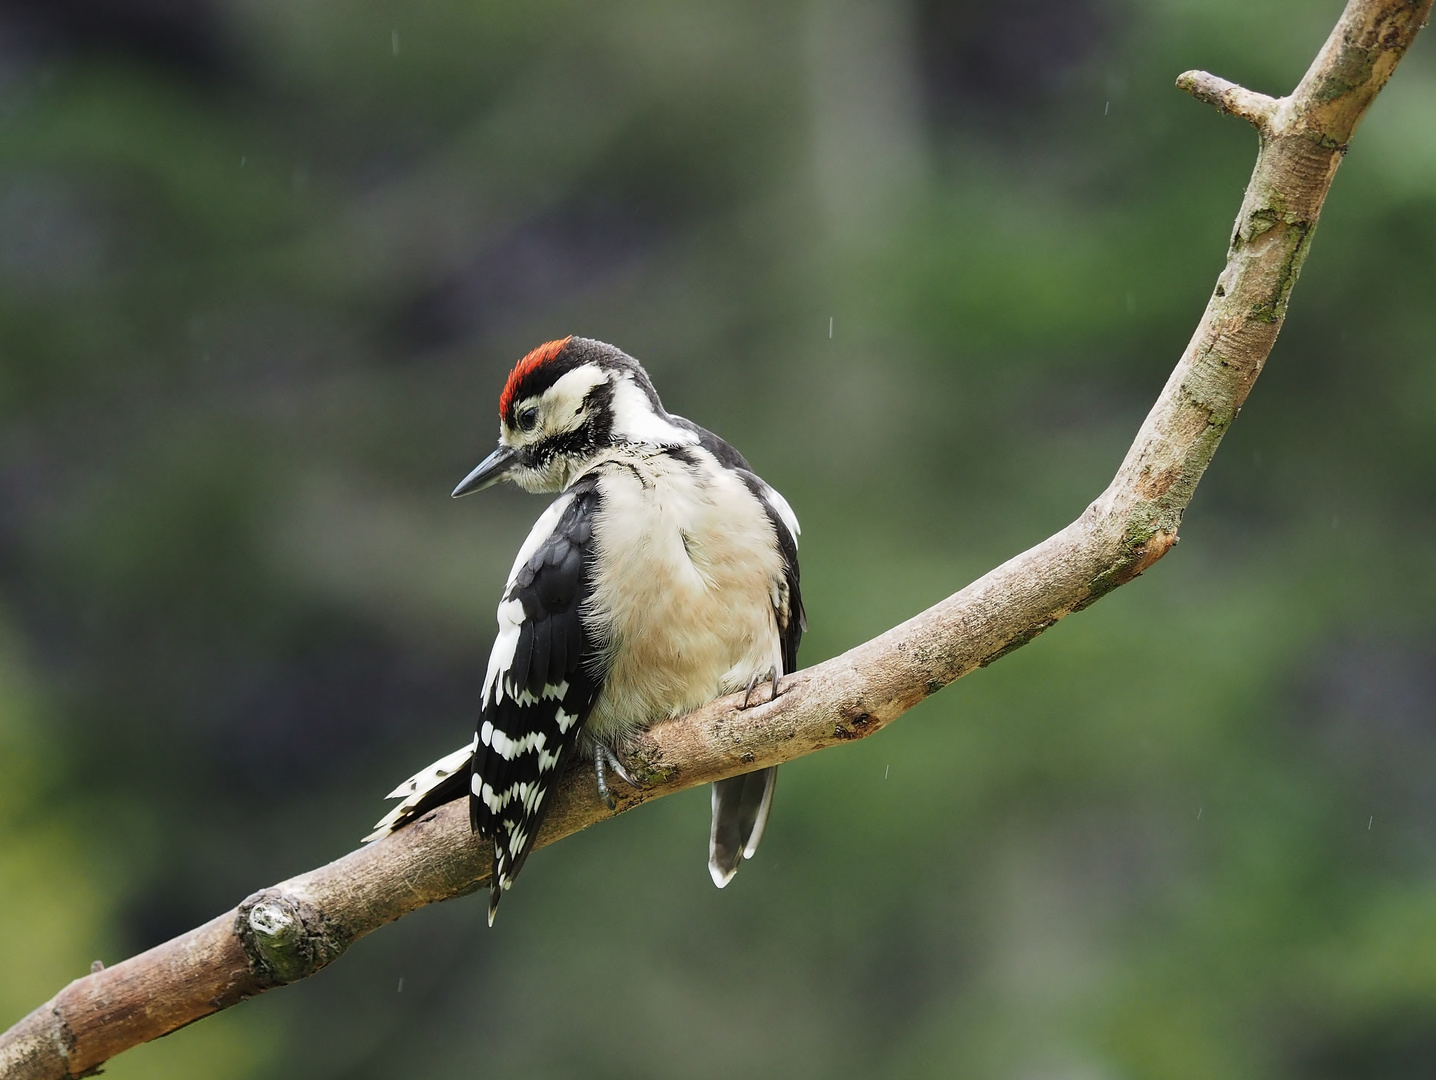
(508, 748)
(492, 799)
(511, 617)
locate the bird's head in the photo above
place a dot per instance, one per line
(564, 404)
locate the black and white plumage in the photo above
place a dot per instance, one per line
(665, 575)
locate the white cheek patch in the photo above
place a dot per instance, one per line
(563, 401)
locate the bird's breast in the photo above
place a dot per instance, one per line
(682, 603)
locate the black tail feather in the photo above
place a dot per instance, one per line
(740, 810)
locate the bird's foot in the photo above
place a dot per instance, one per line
(773, 678)
(605, 759)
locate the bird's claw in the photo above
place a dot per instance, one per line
(605, 759)
(773, 678)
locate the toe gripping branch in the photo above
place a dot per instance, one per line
(605, 759)
(773, 678)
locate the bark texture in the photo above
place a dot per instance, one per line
(291, 930)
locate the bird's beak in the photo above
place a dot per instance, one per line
(491, 470)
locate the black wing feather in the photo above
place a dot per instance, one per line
(741, 803)
(792, 619)
(727, 454)
(535, 707)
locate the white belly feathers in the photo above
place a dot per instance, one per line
(686, 600)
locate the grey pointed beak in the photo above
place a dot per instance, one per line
(491, 470)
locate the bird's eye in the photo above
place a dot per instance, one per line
(528, 418)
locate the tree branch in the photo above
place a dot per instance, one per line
(291, 930)
(1228, 97)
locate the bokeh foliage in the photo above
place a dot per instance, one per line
(262, 269)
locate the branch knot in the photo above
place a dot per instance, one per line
(284, 938)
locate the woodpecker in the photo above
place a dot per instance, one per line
(664, 576)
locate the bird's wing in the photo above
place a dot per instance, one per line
(542, 681)
(741, 803)
(788, 597)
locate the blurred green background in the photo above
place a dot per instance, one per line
(263, 267)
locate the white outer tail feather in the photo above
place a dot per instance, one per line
(758, 825)
(413, 790)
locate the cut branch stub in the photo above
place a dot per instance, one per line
(1229, 97)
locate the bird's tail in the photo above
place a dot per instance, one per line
(740, 810)
(444, 781)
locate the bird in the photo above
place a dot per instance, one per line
(662, 577)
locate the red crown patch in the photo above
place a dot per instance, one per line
(526, 367)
